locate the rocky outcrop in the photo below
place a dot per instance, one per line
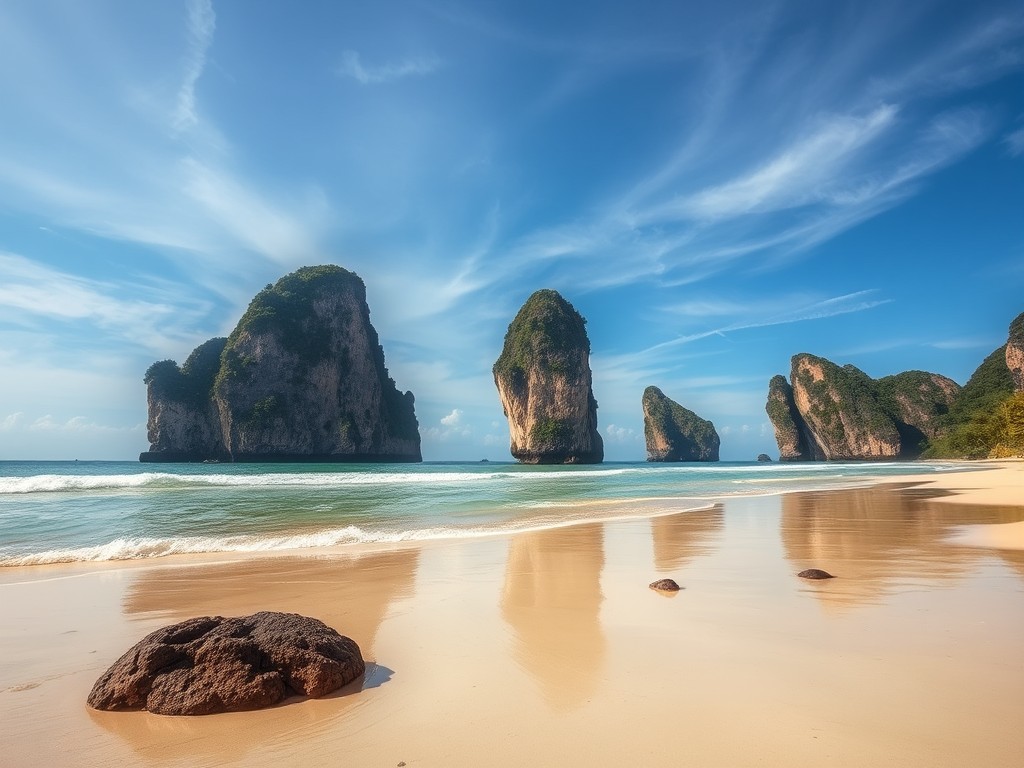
(544, 382)
(301, 378)
(211, 664)
(791, 433)
(183, 421)
(665, 585)
(815, 573)
(830, 412)
(1015, 352)
(674, 433)
(918, 401)
(764, 457)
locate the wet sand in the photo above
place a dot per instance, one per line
(548, 648)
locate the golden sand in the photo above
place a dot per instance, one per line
(548, 648)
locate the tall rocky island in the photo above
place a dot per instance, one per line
(544, 382)
(301, 378)
(828, 412)
(674, 433)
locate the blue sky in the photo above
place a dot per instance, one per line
(715, 187)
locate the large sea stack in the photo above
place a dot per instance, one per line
(544, 382)
(828, 412)
(301, 378)
(674, 433)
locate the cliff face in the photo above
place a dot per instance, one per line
(674, 433)
(840, 413)
(301, 378)
(544, 382)
(791, 432)
(183, 423)
(1015, 352)
(837, 405)
(918, 400)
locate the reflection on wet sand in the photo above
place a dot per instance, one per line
(881, 540)
(678, 539)
(352, 595)
(552, 600)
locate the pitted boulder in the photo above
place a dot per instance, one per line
(665, 585)
(213, 664)
(815, 573)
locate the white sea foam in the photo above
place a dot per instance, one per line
(143, 480)
(144, 548)
(73, 483)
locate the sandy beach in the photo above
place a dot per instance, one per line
(548, 648)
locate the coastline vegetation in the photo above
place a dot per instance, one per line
(987, 418)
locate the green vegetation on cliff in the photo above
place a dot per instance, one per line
(687, 435)
(1017, 329)
(977, 421)
(917, 389)
(192, 383)
(286, 309)
(843, 391)
(547, 332)
(988, 386)
(778, 407)
(549, 433)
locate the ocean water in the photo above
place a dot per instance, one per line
(52, 512)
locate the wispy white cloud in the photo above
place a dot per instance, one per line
(30, 291)
(453, 419)
(798, 175)
(622, 435)
(200, 28)
(79, 424)
(11, 421)
(1014, 142)
(352, 66)
(655, 362)
(968, 343)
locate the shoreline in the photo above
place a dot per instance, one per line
(547, 517)
(545, 646)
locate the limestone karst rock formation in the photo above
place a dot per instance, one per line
(674, 433)
(1015, 352)
(301, 378)
(544, 382)
(828, 412)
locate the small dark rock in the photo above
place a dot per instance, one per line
(665, 585)
(815, 573)
(213, 664)
(763, 457)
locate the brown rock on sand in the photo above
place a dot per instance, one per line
(665, 585)
(815, 573)
(214, 664)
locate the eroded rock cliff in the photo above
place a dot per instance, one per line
(1015, 352)
(544, 382)
(183, 424)
(301, 378)
(840, 413)
(840, 410)
(791, 432)
(918, 402)
(674, 433)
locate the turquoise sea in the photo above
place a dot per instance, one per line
(54, 512)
